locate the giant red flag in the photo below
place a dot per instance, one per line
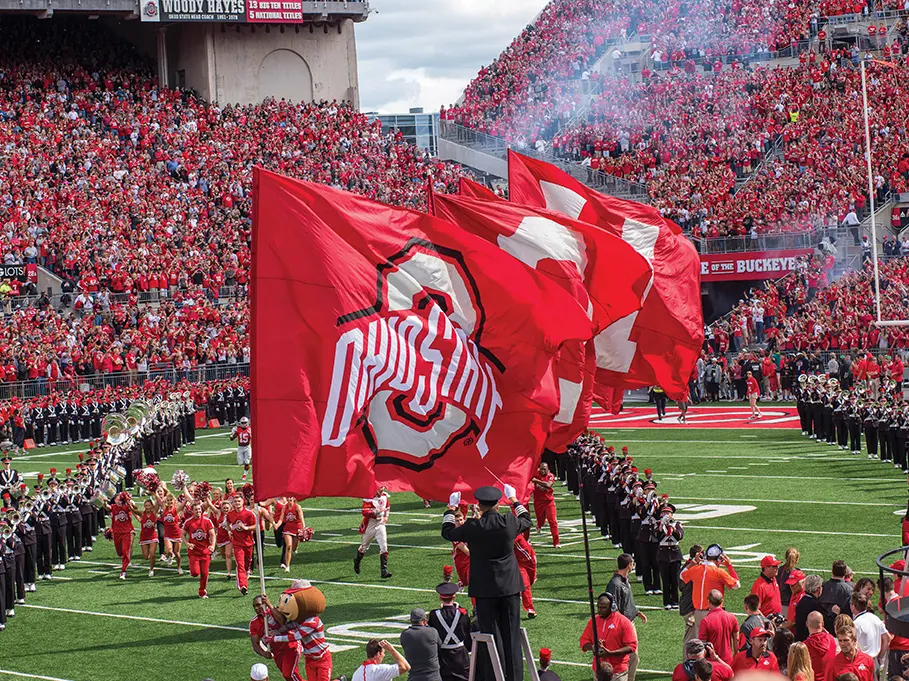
(475, 190)
(607, 277)
(390, 347)
(660, 344)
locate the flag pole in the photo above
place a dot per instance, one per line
(593, 611)
(877, 276)
(261, 564)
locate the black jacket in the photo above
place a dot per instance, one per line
(805, 607)
(493, 567)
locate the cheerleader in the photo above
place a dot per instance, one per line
(277, 512)
(292, 520)
(121, 528)
(148, 535)
(169, 514)
(223, 539)
(229, 489)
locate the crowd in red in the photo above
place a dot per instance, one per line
(124, 188)
(801, 312)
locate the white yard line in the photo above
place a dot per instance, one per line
(23, 675)
(791, 501)
(776, 531)
(794, 479)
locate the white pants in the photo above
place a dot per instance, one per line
(374, 530)
(244, 456)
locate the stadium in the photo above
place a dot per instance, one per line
(594, 371)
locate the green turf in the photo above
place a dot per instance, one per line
(803, 491)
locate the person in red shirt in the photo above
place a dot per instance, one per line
(223, 538)
(719, 628)
(460, 554)
(148, 535)
(169, 515)
(850, 658)
(757, 657)
(201, 538)
(820, 643)
(287, 654)
(544, 502)
(242, 524)
(767, 588)
(695, 650)
(753, 390)
(121, 523)
(291, 518)
(527, 565)
(616, 637)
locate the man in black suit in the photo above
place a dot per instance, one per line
(495, 581)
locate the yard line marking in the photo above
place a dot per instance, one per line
(754, 529)
(154, 620)
(709, 474)
(738, 468)
(715, 471)
(7, 672)
(792, 501)
(331, 534)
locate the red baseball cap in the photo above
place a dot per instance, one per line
(795, 576)
(769, 561)
(757, 633)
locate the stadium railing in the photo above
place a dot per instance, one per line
(780, 241)
(44, 386)
(496, 146)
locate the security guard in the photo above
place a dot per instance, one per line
(453, 624)
(495, 581)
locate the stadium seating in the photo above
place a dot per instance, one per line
(118, 185)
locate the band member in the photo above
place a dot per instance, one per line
(121, 514)
(10, 479)
(460, 554)
(242, 524)
(375, 516)
(453, 624)
(148, 535)
(544, 502)
(58, 520)
(242, 433)
(291, 519)
(200, 535)
(669, 557)
(527, 564)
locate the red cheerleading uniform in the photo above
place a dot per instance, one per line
(220, 522)
(171, 519)
(121, 524)
(462, 564)
(292, 518)
(148, 528)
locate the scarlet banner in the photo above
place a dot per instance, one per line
(751, 265)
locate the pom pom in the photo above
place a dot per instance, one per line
(248, 492)
(202, 491)
(305, 534)
(148, 479)
(108, 534)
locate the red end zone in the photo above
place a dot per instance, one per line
(705, 416)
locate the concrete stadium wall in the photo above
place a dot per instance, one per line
(244, 66)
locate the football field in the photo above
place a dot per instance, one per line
(754, 491)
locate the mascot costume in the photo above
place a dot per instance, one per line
(300, 632)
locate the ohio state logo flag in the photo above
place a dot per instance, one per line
(393, 348)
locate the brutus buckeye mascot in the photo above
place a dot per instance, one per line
(299, 633)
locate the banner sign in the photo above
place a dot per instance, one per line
(20, 272)
(251, 11)
(751, 265)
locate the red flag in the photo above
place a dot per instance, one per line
(607, 277)
(475, 190)
(661, 343)
(390, 347)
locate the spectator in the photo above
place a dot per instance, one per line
(807, 604)
(757, 657)
(754, 619)
(870, 633)
(798, 666)
(719, 628)
(781, 643)
(712, 571)
(850, 659)
(623, 601)
(375, 653)
(836, 591)
(696, 651)
(544, 672)
(766, 588)
(421, 645)
(821, 644)
(259, 672)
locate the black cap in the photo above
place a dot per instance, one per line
(447, 589)
(488, 495)
(5, 459)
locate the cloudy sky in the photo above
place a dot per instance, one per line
(424, 52)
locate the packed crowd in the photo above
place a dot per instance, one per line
(125, 189)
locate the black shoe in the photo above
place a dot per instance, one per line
(383, 561)
(357, 559)
(243, 590)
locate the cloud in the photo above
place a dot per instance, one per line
(425, 53)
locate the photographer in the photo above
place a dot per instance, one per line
(710, 571)
(696, 654)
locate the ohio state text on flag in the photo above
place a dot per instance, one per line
(390, 347)
(661, 343)
(607, 277)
